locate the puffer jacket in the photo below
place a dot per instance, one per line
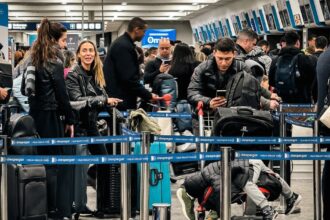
(261, 56)
(80, 88)
(204, 81)
(195, 185)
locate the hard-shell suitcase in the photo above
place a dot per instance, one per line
(27, 192)
(159, 181)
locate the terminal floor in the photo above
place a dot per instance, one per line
(304, 187)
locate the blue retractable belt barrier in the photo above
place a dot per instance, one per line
(154, 114)
(27, 142)
(287, 105)
(178, 157)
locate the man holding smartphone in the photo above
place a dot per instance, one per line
(159, 65)
(214, 74)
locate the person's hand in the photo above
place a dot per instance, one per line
(69, 129)
(3, 93)
(154, 97)
(217, 102)
(114, 101)
(273, 105)
(274, 96)
(164, 67)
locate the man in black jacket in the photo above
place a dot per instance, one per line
(214, 74)
(306, 70)
(121, 67)
(157, 66)
(323, 75)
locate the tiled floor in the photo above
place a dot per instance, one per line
(305, 188)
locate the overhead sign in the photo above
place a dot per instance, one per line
(33, 26)
(152, 36)
(72, 42)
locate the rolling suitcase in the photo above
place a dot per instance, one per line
(27, 192)
(159, 182)
(108, 185)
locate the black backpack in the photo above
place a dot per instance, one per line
(243, 90)
(286, 76)
(21, 126)
(269, 182)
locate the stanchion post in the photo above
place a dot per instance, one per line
(225, 189)
(144, 186)
(281, 209)
(114, 128)
(4, 182)
(125, 185)
(201, 130)
(317, 176)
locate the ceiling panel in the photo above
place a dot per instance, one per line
(114, 10)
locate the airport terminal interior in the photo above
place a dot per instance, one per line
(119, 109)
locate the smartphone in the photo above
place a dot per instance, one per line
(167, 62)
(221, 93)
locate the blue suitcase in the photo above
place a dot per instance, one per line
(159, 182)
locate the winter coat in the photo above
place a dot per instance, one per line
(82, 87)
(122, 73)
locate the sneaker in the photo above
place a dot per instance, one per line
(269, 213)
(213, 215)
(292, 203)
(187, 204)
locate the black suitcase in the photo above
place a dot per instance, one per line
(27, 192)
(108, 185)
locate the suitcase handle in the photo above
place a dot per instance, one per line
(157, 176)
(244, 111)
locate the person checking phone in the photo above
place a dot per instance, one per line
(214, 74)
(159, 65)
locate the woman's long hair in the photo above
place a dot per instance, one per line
(44, 48)
(182, 59)
(96, 65)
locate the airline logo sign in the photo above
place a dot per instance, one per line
(152, 36)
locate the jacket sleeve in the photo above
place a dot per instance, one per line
(61, 94)
(75, 93)
(272, 71)
(150, 72)
(195, 89)
(126, 72)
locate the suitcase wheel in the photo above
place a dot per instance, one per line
(76, 216)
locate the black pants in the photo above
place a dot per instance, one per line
(326, 189)
(59, 177)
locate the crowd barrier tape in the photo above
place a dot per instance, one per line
(27, 142)
(295, 122)
(150, 158)
(154, 114)
(287, 105)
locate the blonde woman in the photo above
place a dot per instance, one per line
(86, 83)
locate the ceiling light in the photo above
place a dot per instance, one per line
(195, 3)
(171, 16)
(115, 16)
(119, 9)
(64, 3)
(67, 10)
(124, 3)
(180, 11)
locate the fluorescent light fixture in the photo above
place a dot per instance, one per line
(195, 3)
(180, 11)
(64, 3)
(67, 10)
(124, 3)
(119, 9)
